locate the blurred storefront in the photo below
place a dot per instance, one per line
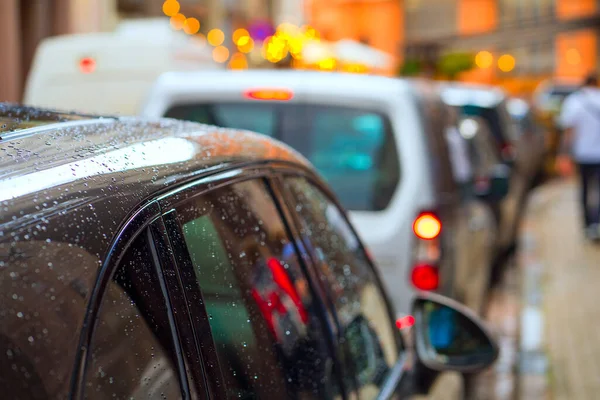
(376, 23)
(516, 43)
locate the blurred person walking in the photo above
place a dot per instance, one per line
(580, 117)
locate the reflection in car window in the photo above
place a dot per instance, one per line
(359, 301)
(269, 339)
(351, 147)
(132, 353)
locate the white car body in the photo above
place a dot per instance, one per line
(126, 63)
(388, 234)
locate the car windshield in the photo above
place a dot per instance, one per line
(354, 149)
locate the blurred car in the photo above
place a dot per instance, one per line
(110, 72)
(488, 105)
(174, 260)
(380, 143)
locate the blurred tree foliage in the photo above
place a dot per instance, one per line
(450, 65)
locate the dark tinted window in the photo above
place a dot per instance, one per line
(344, 267)
(132, 352)
(264, 320)
(352, 148)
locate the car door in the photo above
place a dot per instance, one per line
(367, 333)
(252, 304)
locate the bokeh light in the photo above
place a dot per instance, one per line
(506, 63)
(191, 26)
(274, 49)
(171, 7)
(484, 59)
(327, 64)
(311, 33)
(573, 57)
(177, 21)
(216, 37)
(246, 47)
(220, 54)
(240, 37)
(238, 61)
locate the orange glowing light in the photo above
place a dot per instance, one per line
(177, 21)
(191, 26)
(171, 7)
(240, 36)
(506, 63)
(327, 64)
(484, 59)
(216, 37)
(573, 57)
(427, 226)
(238, 61)
(220, 54)
(246, 47)
(269, 94)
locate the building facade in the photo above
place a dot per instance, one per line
(541, 38)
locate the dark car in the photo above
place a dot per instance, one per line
(175, 260)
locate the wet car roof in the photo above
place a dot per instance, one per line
(77, 159)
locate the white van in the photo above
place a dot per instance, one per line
(382, 146)
(110, 72)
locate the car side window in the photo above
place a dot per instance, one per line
(269, 339)
(358, 298)
(132, 352)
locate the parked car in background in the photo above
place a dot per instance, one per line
(174, 260)
(110, 72)
(380, 143)
(477, 105)
(532, 137)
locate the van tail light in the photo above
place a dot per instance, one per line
(425, 277)
(427, 251)
(427, 226)
(269, 94)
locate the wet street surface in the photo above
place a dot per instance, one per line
(545, 312)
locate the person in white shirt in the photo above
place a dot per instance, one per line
(580, 117)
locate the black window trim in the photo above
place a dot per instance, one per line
(137, 224)
(268, 172)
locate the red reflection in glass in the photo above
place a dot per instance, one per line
(405, 322)
(87, 65)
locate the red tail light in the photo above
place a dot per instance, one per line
(427, 226)
(405, 322)
(425, 277)
(269, 94)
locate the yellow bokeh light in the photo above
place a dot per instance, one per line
(573, 57)
(171, 7)
(327, 64)
(274, 49)
(216, 37)
(240, 36)
(191, 26)
(246, 47)
(220, 54)
(506, 63)
(238, 61)
(484, 59)
(311, 33)
(355, 68)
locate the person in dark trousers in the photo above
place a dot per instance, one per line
(580, 117)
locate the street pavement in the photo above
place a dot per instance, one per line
(561, 276)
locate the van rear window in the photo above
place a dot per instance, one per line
(353, 149)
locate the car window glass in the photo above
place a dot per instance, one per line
(351, 147)
(483, 151)
(268, 336)
(132, 350)
(357, 296)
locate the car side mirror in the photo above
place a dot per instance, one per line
(496, 185)
(449, 336)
